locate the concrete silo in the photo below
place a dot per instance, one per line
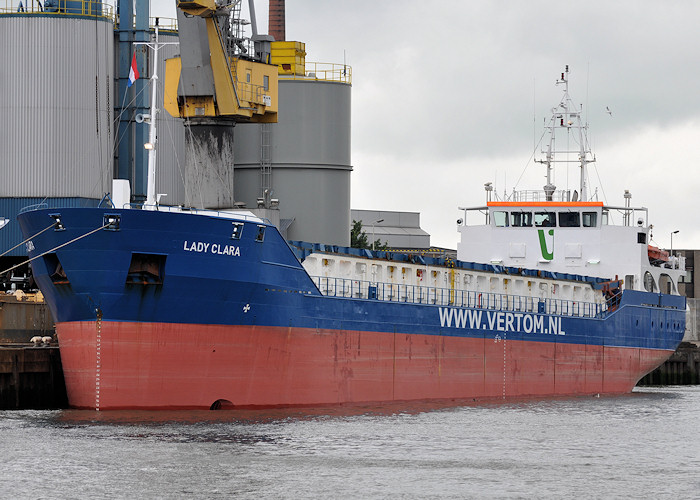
(55, 111)
(302, 163)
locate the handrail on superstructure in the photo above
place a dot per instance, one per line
(164, 23)
(199, 211)
(88, 8)
(167, 208)
(32, 208)
(325, 72)
(82, 8)
(168, 24)
(412, 294)
(628, 213)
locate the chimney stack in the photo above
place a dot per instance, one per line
(275, 25)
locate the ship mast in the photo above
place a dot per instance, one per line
(151, 145)
(567, 116)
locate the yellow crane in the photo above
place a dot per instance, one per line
(220, 75)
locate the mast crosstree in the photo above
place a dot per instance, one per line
(567, 116)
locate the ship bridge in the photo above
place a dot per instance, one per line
(574, 237)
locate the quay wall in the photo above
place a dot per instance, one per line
(31, 378)
(20, 320)
(682, 368)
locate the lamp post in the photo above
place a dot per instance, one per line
(673, 264)
(488, 188)
(375, 222)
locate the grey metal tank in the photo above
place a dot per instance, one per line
(56, 101)
(56, 114)
(308, 153)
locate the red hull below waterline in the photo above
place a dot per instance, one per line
(124, 365)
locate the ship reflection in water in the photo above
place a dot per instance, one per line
(639, 445)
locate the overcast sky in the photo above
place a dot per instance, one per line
(449, 95)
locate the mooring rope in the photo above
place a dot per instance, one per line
(54, 248)
(22, 243)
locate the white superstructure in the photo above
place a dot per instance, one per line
(564, 232)
(569, 237)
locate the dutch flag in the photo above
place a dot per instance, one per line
(133, 72)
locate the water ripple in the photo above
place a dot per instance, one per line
(644, 444)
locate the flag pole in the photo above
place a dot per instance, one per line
(151, 144)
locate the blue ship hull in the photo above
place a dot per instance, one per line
(177, 290)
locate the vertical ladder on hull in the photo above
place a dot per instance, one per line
(265, 164)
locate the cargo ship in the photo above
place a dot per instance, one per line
(162, 307)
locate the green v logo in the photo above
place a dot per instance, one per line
(546, 254)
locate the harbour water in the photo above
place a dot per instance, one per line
(645, 444)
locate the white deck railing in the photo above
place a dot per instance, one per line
(393, 292)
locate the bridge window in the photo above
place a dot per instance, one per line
(545, 219)
(500, 219)
(590, 219)
(569, 219)
(521, 219)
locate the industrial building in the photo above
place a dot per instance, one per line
(398, 230)
(72, 122)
